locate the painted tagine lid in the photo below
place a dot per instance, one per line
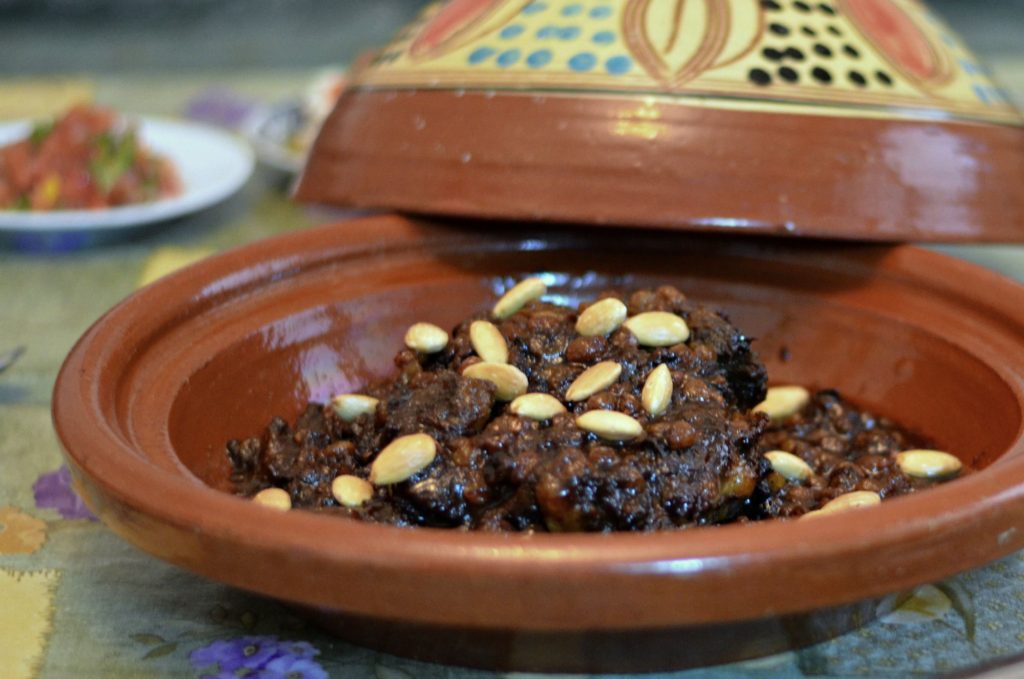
(855, 119)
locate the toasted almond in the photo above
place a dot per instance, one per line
(349, 407)
(610, 425)
(601, 318)
(524, 291)
(658, 328)
(275, 498)
(488, 342)
(402, 458)
(789, 465)
(928, 464)
(854, 500)
(351, 491)
(592, 380)
(509, 380)
(536, 406)
(657, 391)
(426, 338)
(783, 402)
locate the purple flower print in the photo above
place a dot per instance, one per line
(53, 491)
(258, 656)
(220, 106)
(249, 652)
(292, 667)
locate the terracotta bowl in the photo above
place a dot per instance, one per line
(149, 395)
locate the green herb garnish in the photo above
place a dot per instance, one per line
(114, 157)
(40, 131)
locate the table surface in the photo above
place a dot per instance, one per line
(78, 601)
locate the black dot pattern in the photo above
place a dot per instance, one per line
(822, 75)
(759, 76)
(823, 61)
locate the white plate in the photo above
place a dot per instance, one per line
(212, 165)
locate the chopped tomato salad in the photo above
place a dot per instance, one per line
(86, 159)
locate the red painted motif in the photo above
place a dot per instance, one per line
(897, 37)
(657, 59)
(449, 21)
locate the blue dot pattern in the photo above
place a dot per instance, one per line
(577, 24)
(512, 31)
(480, 55)
(539, 59)
(507, 58)
(558, 32)
(584, 61)
(618, 64)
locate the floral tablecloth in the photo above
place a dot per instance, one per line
(76, 601)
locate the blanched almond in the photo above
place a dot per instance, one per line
(783, 402)
(524, 291)
(402, 458)
(853, 500)
(426, 338)
(488, 342)
(601, 318)
(509, 380)
(592, 380)
(658, 328)
(536, 406)
(657, 391)
(789, 465)
(928, 464)
(351, 491)
(610, 425)
(349, 407)
(274, 498)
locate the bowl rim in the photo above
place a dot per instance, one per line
(981, 511)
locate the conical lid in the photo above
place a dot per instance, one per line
(858, 119)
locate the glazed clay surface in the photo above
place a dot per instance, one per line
(150, 394)
(858, 119)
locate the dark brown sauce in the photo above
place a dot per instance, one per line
(699, 463)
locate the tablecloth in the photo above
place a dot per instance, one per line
(77, 601)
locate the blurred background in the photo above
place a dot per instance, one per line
(122, 36)
(264, 72)
(44, 36)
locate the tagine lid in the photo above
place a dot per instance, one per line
(851, 119)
